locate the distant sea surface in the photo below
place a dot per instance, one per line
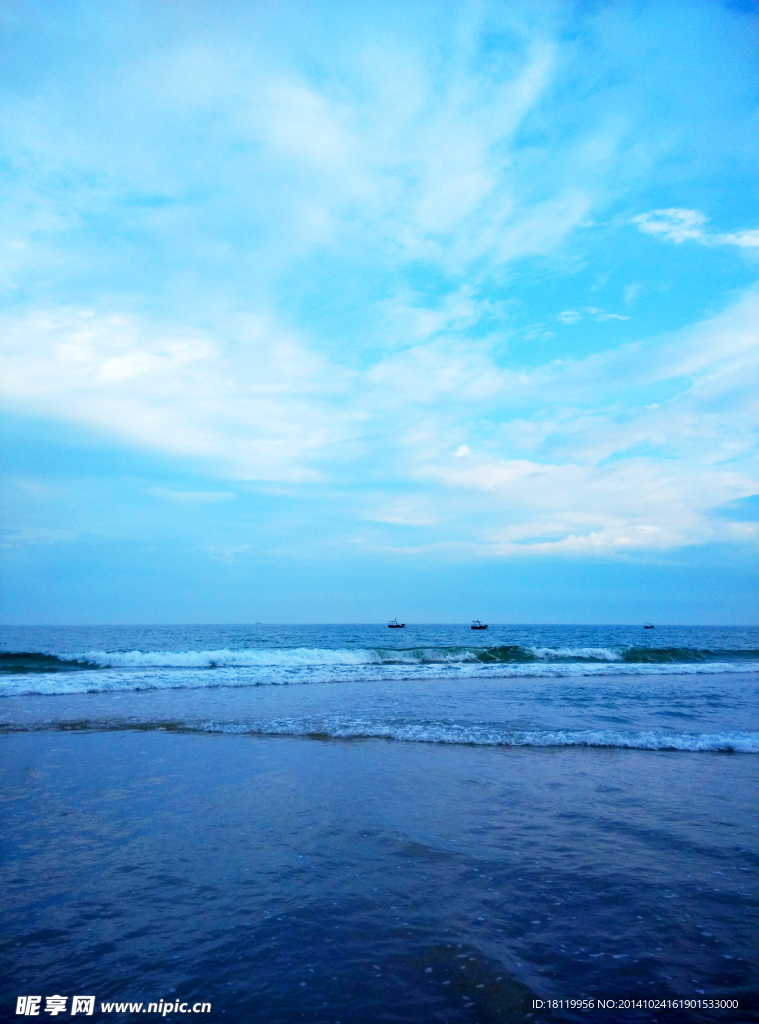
(356, 824)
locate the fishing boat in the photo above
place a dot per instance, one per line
(395, 624)
(476, 624)
(648, 625)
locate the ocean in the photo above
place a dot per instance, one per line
(355, 824)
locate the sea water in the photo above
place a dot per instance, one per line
(350, 823)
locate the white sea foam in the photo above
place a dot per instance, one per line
(294, 657)
(585, 653)
(225, 658)
(448, 733)
(299, 657)
(476, 735)
(134, 670)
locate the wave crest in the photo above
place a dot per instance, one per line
(303, 657)
(441, 732)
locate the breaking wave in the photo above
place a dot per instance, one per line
(24, 662)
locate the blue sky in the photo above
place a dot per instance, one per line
(336, 311)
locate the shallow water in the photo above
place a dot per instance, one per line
(290, 879)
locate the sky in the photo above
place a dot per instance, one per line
(332, 312)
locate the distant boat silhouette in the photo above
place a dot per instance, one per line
(395, 624)
(648, 625)
(476, 624)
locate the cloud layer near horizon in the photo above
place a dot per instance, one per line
(627, 448)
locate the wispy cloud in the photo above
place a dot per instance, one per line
(630, 447)
(268, 413)
(572, 316)
(676, 225)
(569, 316)
(348, 254)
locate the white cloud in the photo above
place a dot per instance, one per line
(600, 315)
(604, 468)
(572, 316)
(266, 413)
(636, 503)
(218, 149)
(744, 239)
(677, 225)
(628, 448)
(674, 225)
